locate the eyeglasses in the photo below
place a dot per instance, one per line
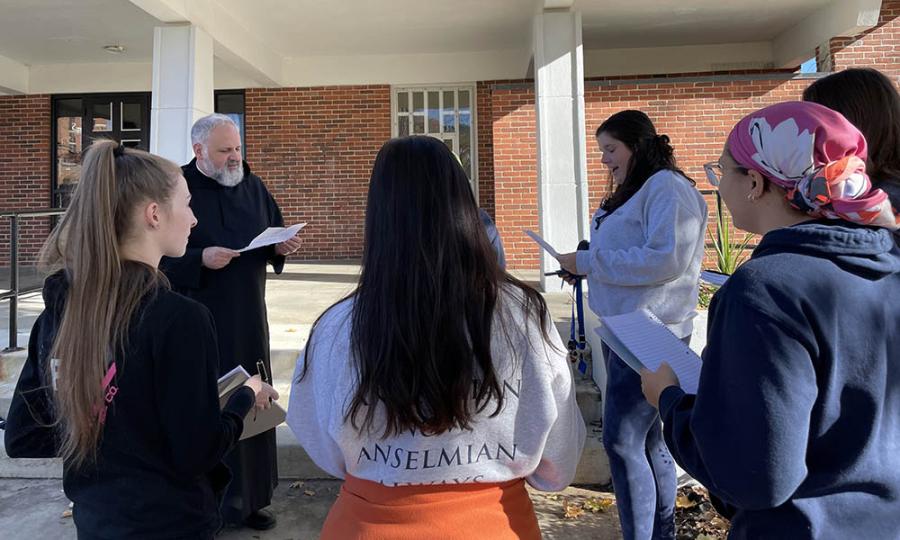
(713, 173)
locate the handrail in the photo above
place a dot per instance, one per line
(14, 291)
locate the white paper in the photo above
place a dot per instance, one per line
(714, 278)
(543, 243)
(273, 235)
(650, 342)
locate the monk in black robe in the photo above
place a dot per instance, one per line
(233, 206)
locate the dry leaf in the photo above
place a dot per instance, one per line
(67, 514)
(683, 501)
(309, 493)
(598, 504)
(571, 510)
(296, 485)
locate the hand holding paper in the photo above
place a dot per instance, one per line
(654, 382)
(273, 235)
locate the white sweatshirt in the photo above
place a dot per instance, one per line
(648, 252)
(538, 435)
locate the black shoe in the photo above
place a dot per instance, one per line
(261, 520)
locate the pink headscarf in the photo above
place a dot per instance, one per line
(818, 156)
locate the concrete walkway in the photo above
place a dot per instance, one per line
(37, 509)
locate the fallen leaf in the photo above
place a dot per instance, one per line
(598, 504)
(309, 493)
(296, 485)
(683, 501)
(571, 510)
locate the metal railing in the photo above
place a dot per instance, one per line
(14, 289)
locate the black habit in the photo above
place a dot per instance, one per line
(231, 217)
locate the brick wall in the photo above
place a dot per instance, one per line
(314, 148)
(695, 113)
(24, 171)
(878, 47)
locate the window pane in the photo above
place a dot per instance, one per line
(403, 102)
(131, 117)
(434, 112)
(449, 123)
(449, 102)
(131, 143)
(465, 141)
(102, 113)
(68, 107)
(402, 125)
(418, 125)
(418, 102)
(230, 103)
(68, 155)
(463, 100)
(449, 143)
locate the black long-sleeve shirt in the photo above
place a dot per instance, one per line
(158, 467)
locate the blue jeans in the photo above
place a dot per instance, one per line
(643, 472)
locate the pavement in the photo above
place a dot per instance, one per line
(38, 509)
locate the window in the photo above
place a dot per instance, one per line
(231, 104)
(79, 119)
(446, 113)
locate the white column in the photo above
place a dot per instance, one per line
(182, 88)
(562, 161)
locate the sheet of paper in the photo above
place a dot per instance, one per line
(273, 235)
(652, 343)
(543, 243)
(619, 348)
(714, 278)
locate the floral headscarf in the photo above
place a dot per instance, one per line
(818, 156)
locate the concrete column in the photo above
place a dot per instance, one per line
(182, 88)
(562, 161)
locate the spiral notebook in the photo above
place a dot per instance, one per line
(641, 340)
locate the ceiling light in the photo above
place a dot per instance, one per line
(114, 49)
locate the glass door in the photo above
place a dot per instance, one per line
(79, 120)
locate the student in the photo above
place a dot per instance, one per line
(646, 247)
(440, 385)
(133, 409)
(795, 425)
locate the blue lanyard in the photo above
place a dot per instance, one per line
(577, 342)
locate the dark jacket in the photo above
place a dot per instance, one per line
(796, 422)
(158, 465)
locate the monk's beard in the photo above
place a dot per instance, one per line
(223, 175)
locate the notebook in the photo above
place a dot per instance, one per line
(641, 340)
(257, 420)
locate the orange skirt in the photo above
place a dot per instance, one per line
(367, 510)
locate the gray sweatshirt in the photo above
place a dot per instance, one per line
(538, 435)
(647, 253)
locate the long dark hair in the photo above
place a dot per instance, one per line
(650, 153)
(868, 99)
(423, 312)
